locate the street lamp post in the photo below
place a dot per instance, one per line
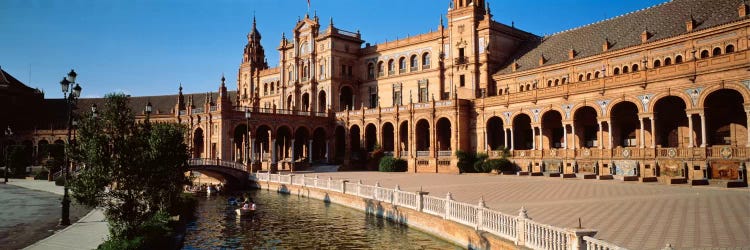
(148, 113)
(8, 133)
(70, 95)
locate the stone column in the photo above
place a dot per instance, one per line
(747, 125)
(328, 151)
(609, 133)
(294, 157)
(533, 138)
(565, 136)
(703, 130)
(691, 142)
(512, 142)
(487, 143)
(273, 151)
(600, 135)
(252, 150)
(573, 132)
(309, 151)
(641, 134)
(653, 132)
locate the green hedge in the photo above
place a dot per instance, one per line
(499, 165)
(390, 164)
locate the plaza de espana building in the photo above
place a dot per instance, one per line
(658, 94)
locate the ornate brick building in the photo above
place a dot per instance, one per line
(659, 92)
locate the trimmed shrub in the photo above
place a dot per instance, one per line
(390, 164)
(60, 181)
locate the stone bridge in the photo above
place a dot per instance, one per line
(234, 173)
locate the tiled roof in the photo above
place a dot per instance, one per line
(10, 82)
(661, 21)
(164, 104)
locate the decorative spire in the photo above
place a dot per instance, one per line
(222, 79)
(180, 89)
(330, 23)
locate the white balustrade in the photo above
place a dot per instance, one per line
(597, 244)
(520, 229)
(462, 213)
(433, 205)
(499, 223)
(406, 199)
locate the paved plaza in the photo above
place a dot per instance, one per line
(629, 214)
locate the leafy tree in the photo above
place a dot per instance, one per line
(132, 170)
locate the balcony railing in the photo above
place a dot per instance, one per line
(461, 60)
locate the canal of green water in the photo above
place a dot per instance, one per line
(293, 222)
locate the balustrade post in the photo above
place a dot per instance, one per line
(523, 217)
(328, 186)
(343, 186)
(448, 200)
(316, 181)
(480, 214)
(304, 181)
(420, 199)
(291, 179)
(395, 198)
(375, 191)
(359, 188)
(576, 237)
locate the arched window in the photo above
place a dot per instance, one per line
(596, 74)
(564, 80)
(265, 89)
(528, 86)
(381, 70)
(426, 60)
(500, 92)
(678, 59)
(625, 69)
(635, 67)
(729, 49)
(272, 87)
(657, 63)
(549, 83)
(580, 78)
(391, 67)
(588, 76)
(370, 71)
(667, 61)
(557, 82)
(521, 88)
(616, 71)
(402, 65)
(413, 63)
(717, 51)
(704, 54)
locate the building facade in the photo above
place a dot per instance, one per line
(662, 92)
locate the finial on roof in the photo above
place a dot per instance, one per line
(488, 8)
(512, 24)
(441, 20)
(180, 89)
(330, 22)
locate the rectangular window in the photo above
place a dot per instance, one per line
(462, 80)
(343, 70)
(423, 91)
(350, 71)
(460, 53)
(373, 97)
(397, 95)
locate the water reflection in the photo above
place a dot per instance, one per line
(289, 221)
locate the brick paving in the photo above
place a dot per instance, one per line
(630, 214)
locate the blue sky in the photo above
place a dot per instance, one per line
(148, 47)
